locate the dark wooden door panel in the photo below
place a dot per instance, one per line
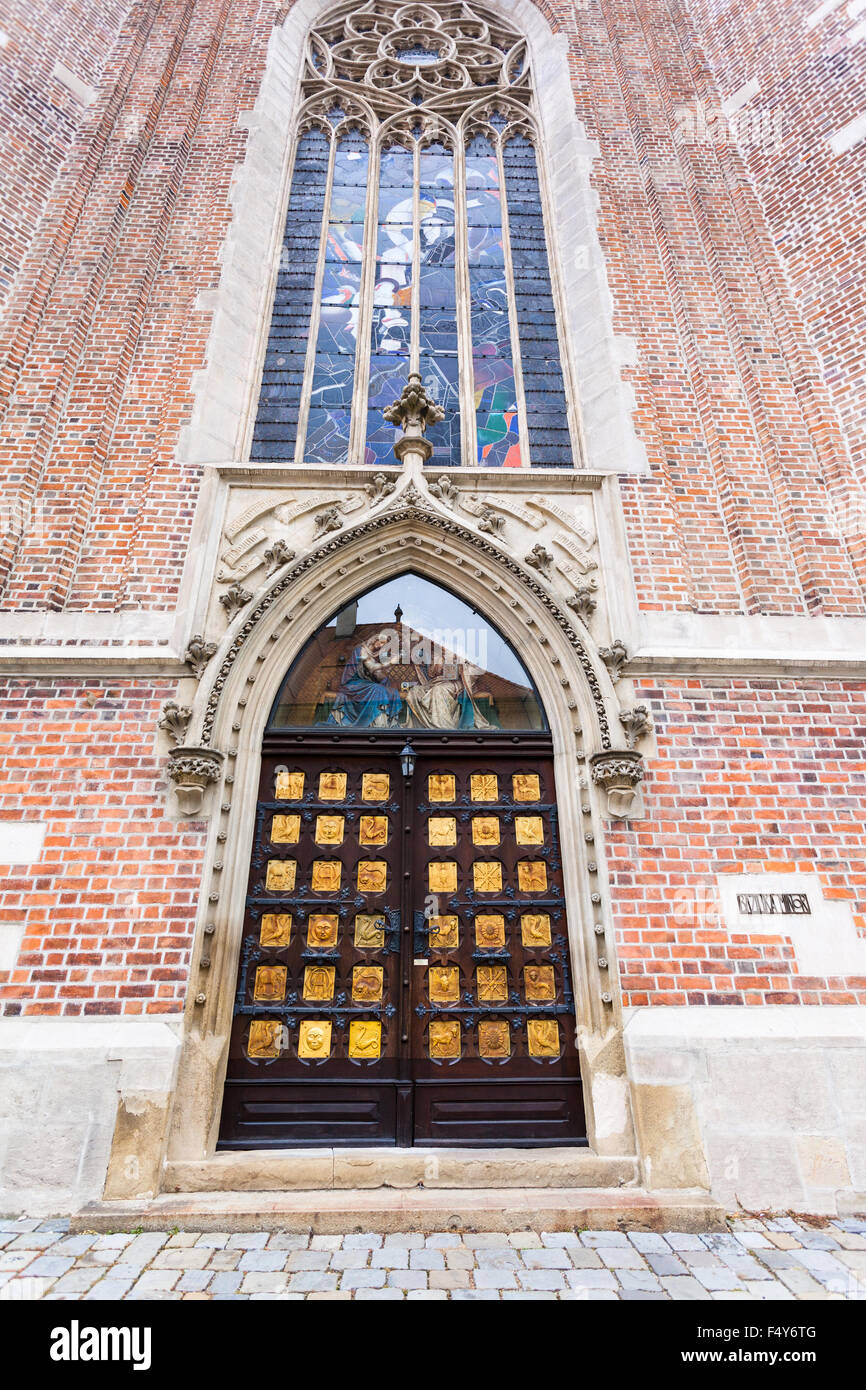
(524, 1114)
(284, 1116)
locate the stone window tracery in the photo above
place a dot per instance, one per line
(415, 241)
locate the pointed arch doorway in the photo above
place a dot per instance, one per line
(404, 975)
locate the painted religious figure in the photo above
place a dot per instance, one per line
(365, 700)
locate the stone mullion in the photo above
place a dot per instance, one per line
(469, 426)
(358, 425)
(415, 305)
(523, 428)
(315, 312)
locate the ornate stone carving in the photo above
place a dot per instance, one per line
(539, 559)
(198, 654)
(636, 723)
(445, 490)
(583, 602)
(491, 522)
(192, 770)
(234, 599)
(328, 520)
(175, 720)
(618, 773)
(412, 413)
(380, 487)
(614, 657)
(278, 555)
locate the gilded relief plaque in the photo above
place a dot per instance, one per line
(539, 982)
(492, 984)
(326, 875)
(285, 830)
(532, 876)
(281, 875)
(319, 982)
(329, 830)
(289, 786)
(444, 981)
(369, 931)
(372, 876)
(487, 876)
(322, 929)
(484, 786)
(441, 786)
(489, 931)
(442, 830)
(543, 1034)
(367, 983)
(276, 929)
(270, 987)
(314, 1043)
(442, 876)
(525, 786)
(365, 1039)
(374, 830)
(535, 929)
(444, 933)
(494, 1038)
(332, 786)
(485, 830)
(529, 830)
(375, 786)
(444, 1037)
(265, 1037)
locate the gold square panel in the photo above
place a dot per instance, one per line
(485, 830)
(444, 981)
(276, 929)
(535, 929)
(494, 1038)
(319, 982)
(543, 1034)
(373, 830)
(492, 984)
(539, 983)
(367, 984)
(372, 876)
(529, 830)
(442, 876)
(265, 1038)
(327, 874)
(484, 786)
(322, 929)
(285, 830)
(314, 1043)
(289, 786)
(332, 786)
(444, 1036)
(532, 876)
(487, 876)
(489, 931)
(270, 987)
(375, 786)
(525, 786)
(281, 875)
(365, 1039)
(369, 931)
(444, 933)
(442, 830)
(441, 786)
(329, 830)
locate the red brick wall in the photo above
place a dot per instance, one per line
(110, 907)
(750, 776)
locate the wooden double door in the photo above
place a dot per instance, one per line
(404, 974)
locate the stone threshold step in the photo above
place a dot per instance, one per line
(274, 1170)
(417, 1210)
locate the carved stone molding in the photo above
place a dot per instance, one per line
(445, 490)
(329, 520)
(198, 653)
(380, 487)
(192, 770)
(492, 522)
(618, 773)
(614, 657)
(175, 720)
(278, 555)
(540, 559)
(583, 602)
(234, 599)
(636, 723)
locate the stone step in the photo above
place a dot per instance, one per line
(321, 1169)
(386, 1209)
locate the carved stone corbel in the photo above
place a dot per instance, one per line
(198, 654)
(618, 772)
(175, 720)
(234, 599)
(192, 770)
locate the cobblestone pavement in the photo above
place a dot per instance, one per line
(773, 1259)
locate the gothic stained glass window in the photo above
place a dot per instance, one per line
(415, 241)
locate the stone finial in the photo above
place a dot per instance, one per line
(412, 413)
(614, 657)
(198, 654)
(175, 720)
(618, 773)
(192, 770)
